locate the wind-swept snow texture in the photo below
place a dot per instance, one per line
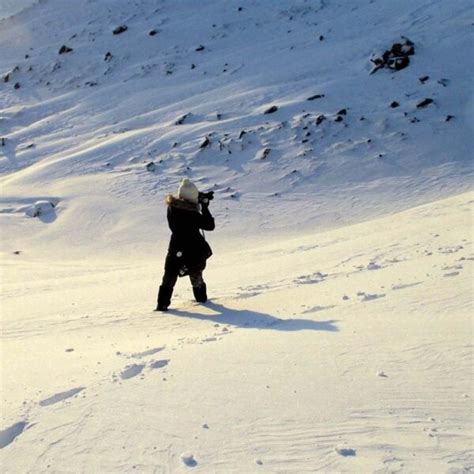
(81, 127)
(338, 335)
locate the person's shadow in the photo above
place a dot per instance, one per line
(253, 319)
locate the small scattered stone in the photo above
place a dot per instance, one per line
(423, 79)
(342, 112)
(65, 49)
(424, 103)
(108, 56)
(151, 167)
(120, 29)
(346, 451)
(443, 82)
(271, 110)
(316, 96)
(394, 104)
(153, 32)
(321, 38)
(345, 297)
(17, 252)
(193, 66)
(449, 118)
(320, 119)
(181, 119)
(70, 350)
(6, 77)
(205, 426)
(17, 85)
(3, 141)
(205, 143)
(338, 119)
(259, 462)
(381, 374)
(200, 48)
(264, 153)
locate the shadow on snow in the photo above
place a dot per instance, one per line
(253, 319)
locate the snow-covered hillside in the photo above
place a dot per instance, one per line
(338, 336)
(82, 125)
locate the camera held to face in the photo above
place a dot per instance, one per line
(204, 198)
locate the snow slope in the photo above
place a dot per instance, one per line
(357, 338)
(338, 337)
(80, 128)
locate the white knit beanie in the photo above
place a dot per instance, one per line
(188, 191)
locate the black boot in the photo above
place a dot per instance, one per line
(200, 293)
(164, 298)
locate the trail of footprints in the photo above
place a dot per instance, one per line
(450, 270)
(11, 433)
(141, 367)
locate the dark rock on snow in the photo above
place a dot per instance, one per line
(120, 29)
(320, 119)
(316, 96)
(394, 104)
(396, 58)
(205, 143)
(65, 49)
(271, 110)
(181, 119)
(423, 79)
(200, 48)
(424, 103)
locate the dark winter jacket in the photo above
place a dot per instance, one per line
(188, 250)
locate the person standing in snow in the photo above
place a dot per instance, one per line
(188, 215)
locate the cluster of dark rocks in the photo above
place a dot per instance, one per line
(396, 58)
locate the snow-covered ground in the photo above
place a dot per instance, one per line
(338, 337)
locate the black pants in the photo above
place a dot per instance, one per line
(171, 275)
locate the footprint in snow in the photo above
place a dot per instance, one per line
(139, 355)
(313, 278)
(159, 364)
(59, 397)
(316, 309)
(402, 286)
(346, 451)
(369, 297)
(8, 435)
(450, 249)
(451, 274)
(373, 266)
(131, 371)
